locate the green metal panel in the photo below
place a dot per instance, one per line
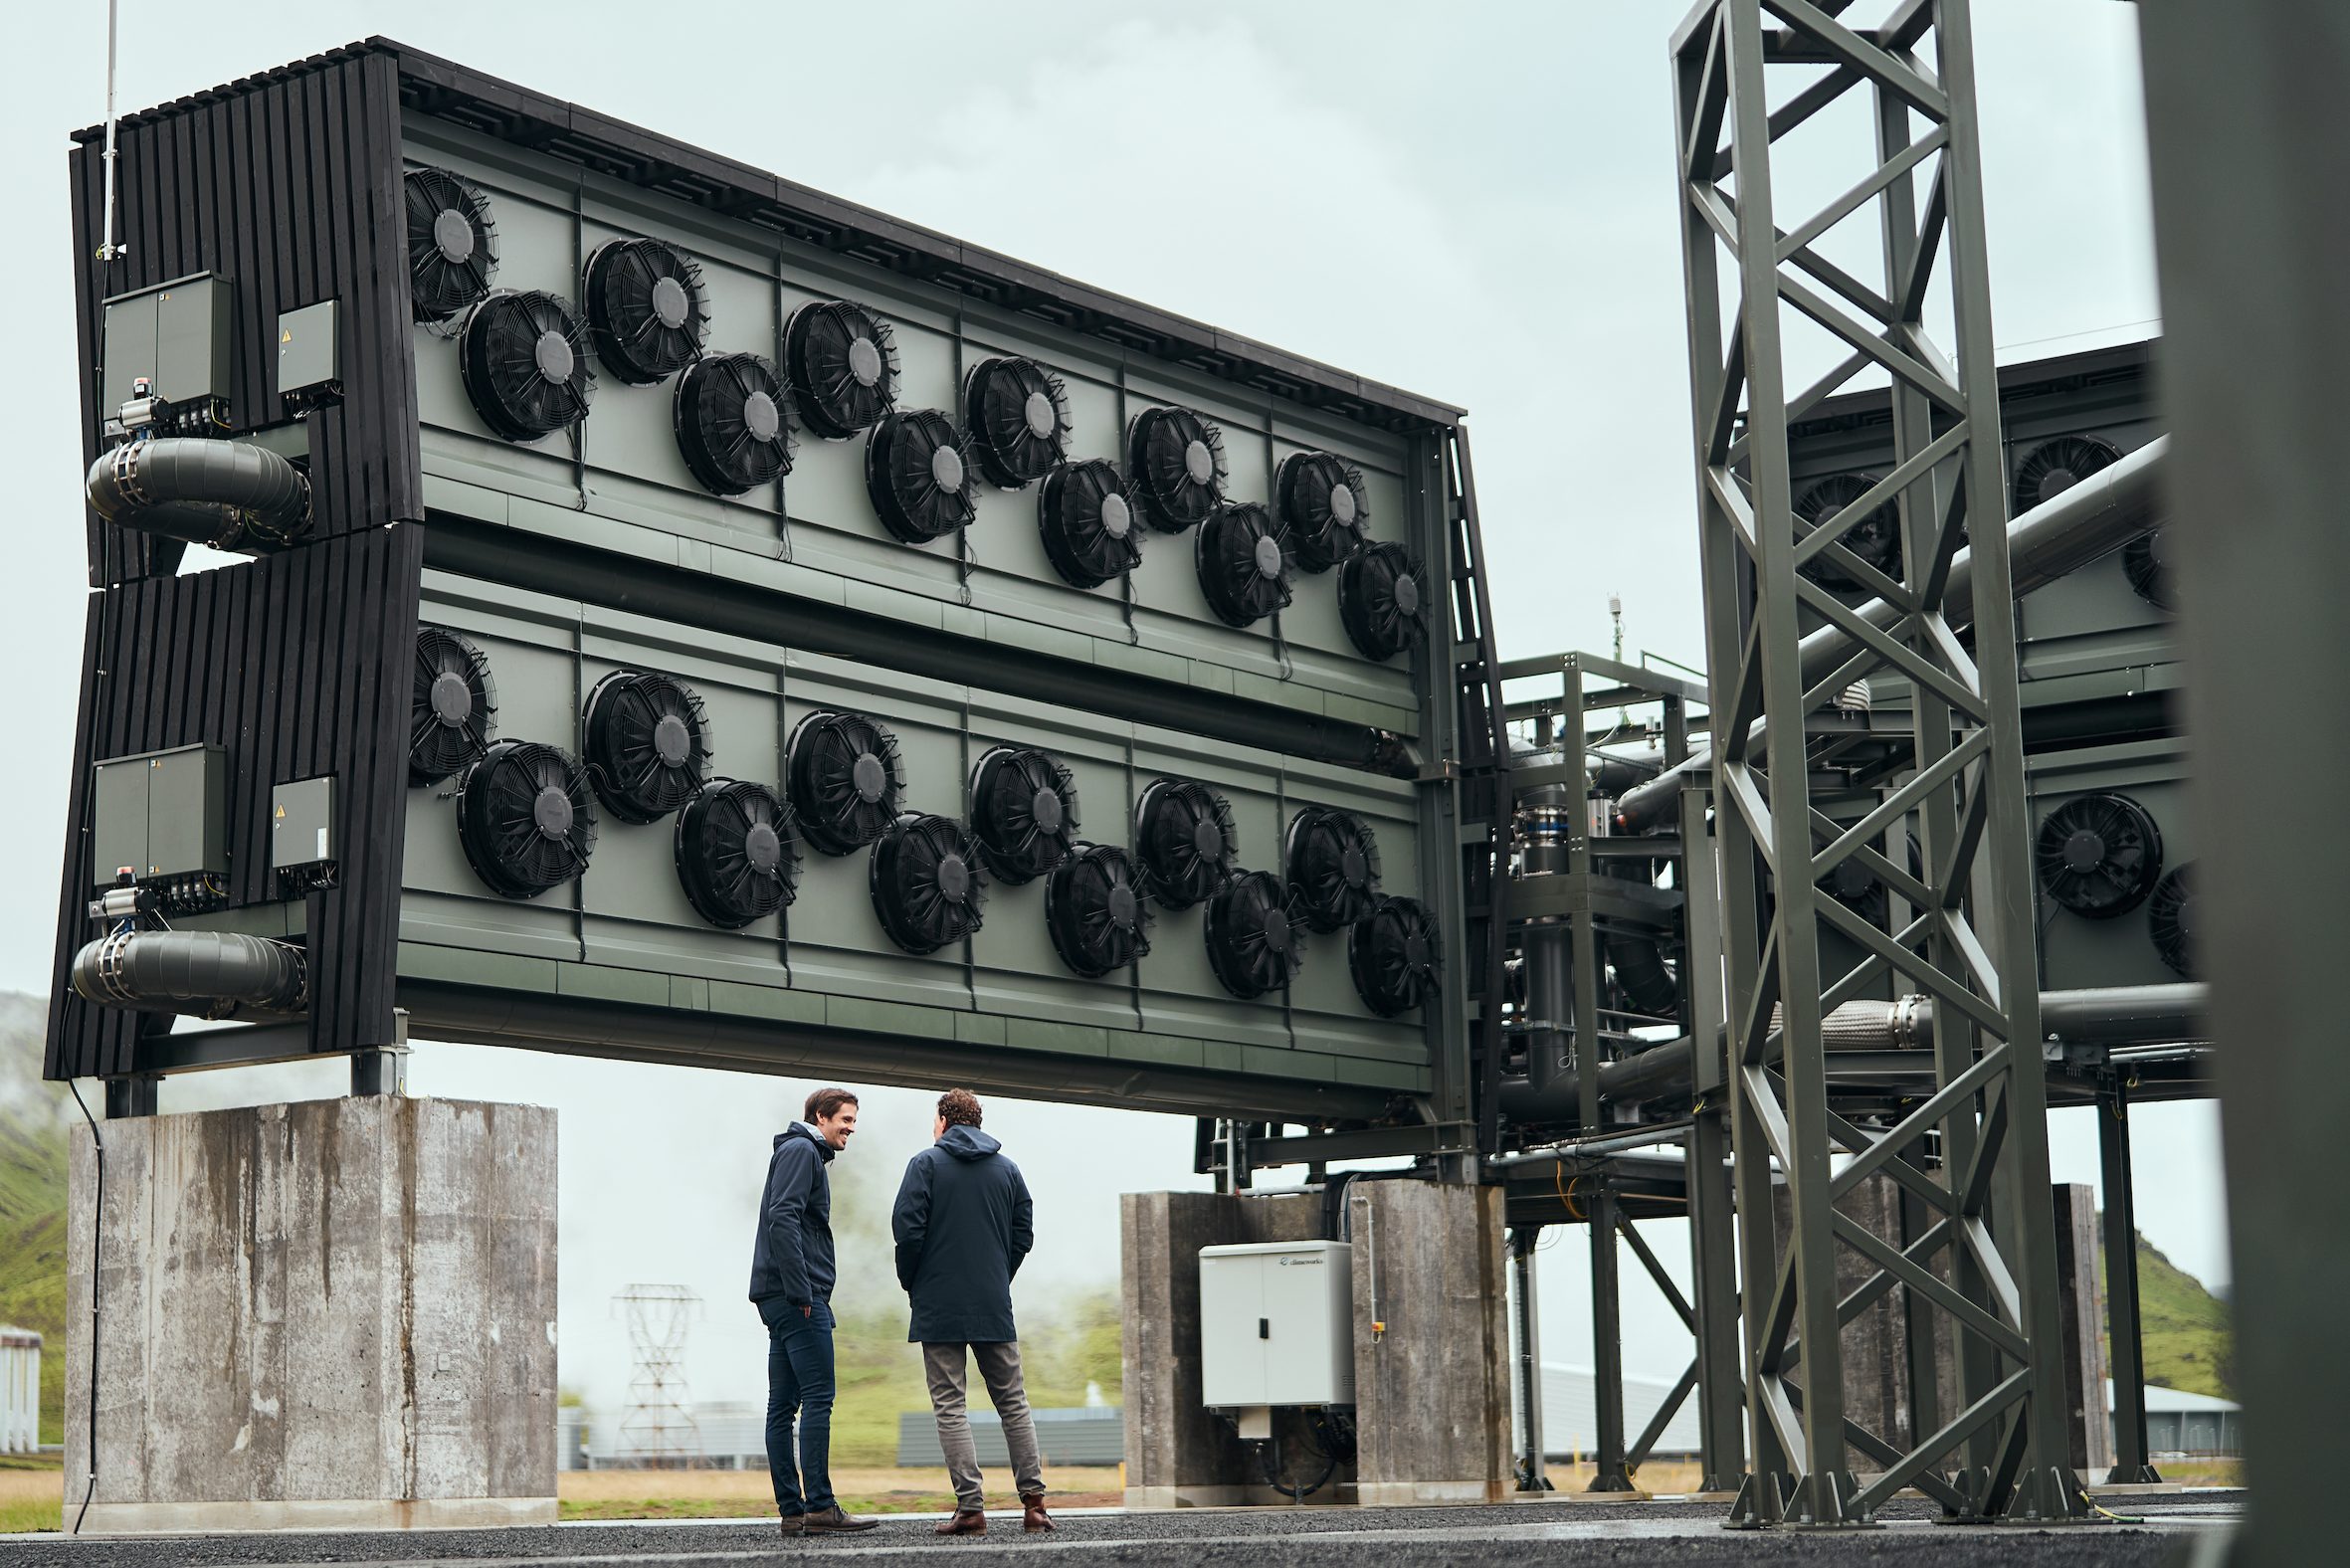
(309, 350)
(187, 816)
(118, 817)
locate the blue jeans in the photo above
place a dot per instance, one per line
(799, 1383)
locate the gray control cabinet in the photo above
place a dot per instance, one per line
(160, 814)
(176, 335)
(1276, 1324)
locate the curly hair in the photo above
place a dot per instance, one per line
(960, 1108)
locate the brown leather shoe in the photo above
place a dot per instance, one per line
(966, 1521)
(1035, 1517)
(792, 1523)
(834, 1520)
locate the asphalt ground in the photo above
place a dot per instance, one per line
(1617, 1535)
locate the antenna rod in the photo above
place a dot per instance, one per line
(108, 250)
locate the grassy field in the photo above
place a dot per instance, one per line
(734, 1494)
(2185, 1329)
(32, 1491)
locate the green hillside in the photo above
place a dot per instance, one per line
(33, 1119)
(2189, 1345)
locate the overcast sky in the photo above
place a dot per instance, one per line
(1479, 208)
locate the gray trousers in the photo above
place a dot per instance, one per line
(999, 1366)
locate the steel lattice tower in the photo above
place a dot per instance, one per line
(1974, 1152)
(658, 1432)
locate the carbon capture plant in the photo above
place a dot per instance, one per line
(684, 617)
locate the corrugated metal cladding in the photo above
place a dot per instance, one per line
(287, 185)
(295, 665)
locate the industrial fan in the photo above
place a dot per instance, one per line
(730, 424)
(1397, 958)
(525, 817)
(926, 884)
(1176, 460)
(2145, 561)
(1321, 507)
(647, 743)
(1255, 935)
(1094, 910)
(1017, 414)
(645, 303)
(1333, 867)
(2098, 854)
(1183, 832)
(525, 364)
(916, 473)
(844, 776)
(1862, 892)
(1085, 512)
(1876, 538)
(1024, 813)
(842, 366)
(1381, 599)
(452, 245)
(451, 705)
(2055, 467)
(736, 859)
(1243, 563)
(2170, 920)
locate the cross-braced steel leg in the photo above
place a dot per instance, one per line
(1985, 1256)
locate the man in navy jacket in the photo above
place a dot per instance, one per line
(792, 1277)
(963, 1223)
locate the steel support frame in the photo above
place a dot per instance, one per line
(1972, 943)
(2124, 1329)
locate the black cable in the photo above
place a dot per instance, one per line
(97, 1209)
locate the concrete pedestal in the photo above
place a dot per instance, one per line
(338, 1313)
(1431, 1389)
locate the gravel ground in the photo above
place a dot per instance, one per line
(1631, 1535)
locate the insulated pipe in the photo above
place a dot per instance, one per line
(2136, 1014)
(217, 492)
(2058, 537)
(201, 972)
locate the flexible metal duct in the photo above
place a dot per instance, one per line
(209, 973)
(2060, 536)
(218, 492)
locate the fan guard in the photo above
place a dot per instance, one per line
(2055, 467)
(2145, 561)
(1876, 538)
(525, 359)
(731, 429)
(736, 856)
(451, 705)
(1333, 867)
(525, 817)
(1184, 834)
(1255, 935)
(2098, 854)
(844, 779)
(1086, 514)
(645, 303)
(452, 245)
(1024, 813)
(1096, 911)
(1382, 598)
(1396, 957)
(648, 744)
(927, 887)
(1323, 507)
(918, 476)
(1243, 563)
(1018, 415)
(1176, 460)
(2170, 920)
(843, 367)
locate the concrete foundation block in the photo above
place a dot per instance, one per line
(337, 1313)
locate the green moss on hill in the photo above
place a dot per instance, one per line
(2184, 1328)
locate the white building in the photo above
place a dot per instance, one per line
(20, 1391)
(1570, 1413)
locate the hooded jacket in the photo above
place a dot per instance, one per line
(963, 1223)
(792, 1256)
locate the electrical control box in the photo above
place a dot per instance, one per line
(307, 366)
(302, 827)
(162, 817)
(175, 335)
(1276, 1324)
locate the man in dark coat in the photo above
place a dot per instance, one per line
(792, 1277)
(963, 1223)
